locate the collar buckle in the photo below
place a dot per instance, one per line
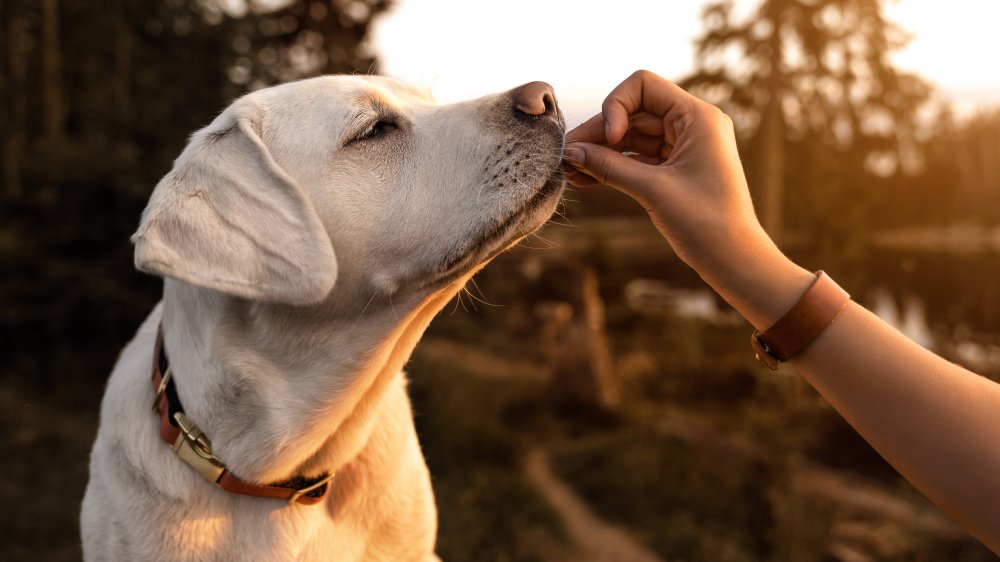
(295, 497)
(194, 448)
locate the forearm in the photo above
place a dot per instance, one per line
(936, 422)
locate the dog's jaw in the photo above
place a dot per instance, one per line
(527, 158)
(535, 212)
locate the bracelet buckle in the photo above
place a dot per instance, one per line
(762, 352)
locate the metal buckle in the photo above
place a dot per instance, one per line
(163, 387)
(763, 353)
(194, 448)
(311, 487)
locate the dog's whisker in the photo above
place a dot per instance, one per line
(481, 294)
(565, 221)
(393, 307)
(551, 243)
(547, 245)
(367, 304)
(472, 302)
(458, 299)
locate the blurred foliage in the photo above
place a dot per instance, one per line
(96, 99)
(486, 510)
(825, 120)
(679, 499)
(961, 182)
(826, 64)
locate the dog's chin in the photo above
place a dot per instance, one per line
(532, 215)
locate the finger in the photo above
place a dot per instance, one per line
(635, 142)
(591, 130)
(646, 123)
(644, 144)
(580, 179)
(609, 167)
(576, 177)
(650, 160)
(642, 90)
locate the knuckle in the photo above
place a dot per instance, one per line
(725, 116)
(607, 170)
(718, 117)
(726, 120)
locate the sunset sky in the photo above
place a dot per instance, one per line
(466, 48)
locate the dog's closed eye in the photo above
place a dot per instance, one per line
(378, 129)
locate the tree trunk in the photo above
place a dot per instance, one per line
(772, 128)
(14, 102)
(9, 167)
(53, 99)
(606, 389)
(123, 76)
(772, 167)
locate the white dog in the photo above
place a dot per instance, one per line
(307, 237)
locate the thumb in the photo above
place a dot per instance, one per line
(609, 167)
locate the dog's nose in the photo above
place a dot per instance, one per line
(534, 99)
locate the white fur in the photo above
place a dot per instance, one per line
(301, 268)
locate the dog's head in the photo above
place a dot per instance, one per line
(362, 183)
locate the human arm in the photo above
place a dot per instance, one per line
(936, 422)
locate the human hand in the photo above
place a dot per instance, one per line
(680, 164)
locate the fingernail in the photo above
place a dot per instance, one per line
(573, 155)
(607, 131)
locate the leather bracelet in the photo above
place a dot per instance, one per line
(807, 319)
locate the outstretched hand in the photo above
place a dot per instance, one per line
(676, 155)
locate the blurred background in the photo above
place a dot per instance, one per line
(589, 398)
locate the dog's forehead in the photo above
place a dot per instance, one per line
(399, 90)
(344, 91)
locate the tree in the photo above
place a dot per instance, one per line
(304, 38)
(96, 101)
(52, 90)
(811, 76)
(15, 33)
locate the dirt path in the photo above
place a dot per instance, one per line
(594, 540)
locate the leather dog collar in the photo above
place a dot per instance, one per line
(194, 448)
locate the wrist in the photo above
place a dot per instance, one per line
(810, 316)
(757, 279)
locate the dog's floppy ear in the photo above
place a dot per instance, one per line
(227, 217)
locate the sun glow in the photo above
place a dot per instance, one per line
(955, 44)
(462, 49)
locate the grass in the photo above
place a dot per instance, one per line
(487, 511)
(683, 502)
(46, 443)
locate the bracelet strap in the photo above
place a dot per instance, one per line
(815, 311)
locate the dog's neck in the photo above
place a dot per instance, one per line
(285, 391)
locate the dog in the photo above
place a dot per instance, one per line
(306, 238)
